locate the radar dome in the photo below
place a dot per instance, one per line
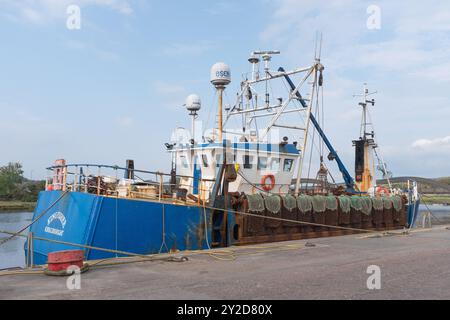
(193, 103)
(220, 74)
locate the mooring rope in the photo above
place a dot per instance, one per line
(163, 243)
(421, 198)
(219, 254)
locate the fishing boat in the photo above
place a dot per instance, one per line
(227, 185)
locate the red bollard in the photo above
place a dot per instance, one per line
(61, 260)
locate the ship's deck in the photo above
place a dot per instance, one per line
(412, 267)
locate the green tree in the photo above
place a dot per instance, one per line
(11, 176)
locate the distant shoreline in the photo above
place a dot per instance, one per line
(16, 206)
(436, 199)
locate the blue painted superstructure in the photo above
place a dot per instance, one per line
(261, 147)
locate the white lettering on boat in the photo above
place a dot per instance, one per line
(59, 216)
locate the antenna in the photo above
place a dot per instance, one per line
(318, 46)
(363, 104)
(193, 105)
(220, 78)
(266, 55)
(254, 60)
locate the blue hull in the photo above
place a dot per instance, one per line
(141, 227)
(413, 212)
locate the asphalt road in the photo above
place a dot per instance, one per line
(412, 267)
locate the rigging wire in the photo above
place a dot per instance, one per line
(323, 121)
(378, 154)
(214, 95)
(317, 111)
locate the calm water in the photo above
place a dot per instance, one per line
(440, 214)
(12, 254)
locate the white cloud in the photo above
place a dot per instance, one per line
(102, 54)
(173, 95)
(39, 11)
(220, 8)
(76, 45)
(32, 15)
(166, 88)
(183, 49)
(437, 144)
(125, 121)
(436, 73)
(408, 38)
(407, 61)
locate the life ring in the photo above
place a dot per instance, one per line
(268, 187)
(382, 191)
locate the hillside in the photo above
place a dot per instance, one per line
(426, 186)
(445, 180)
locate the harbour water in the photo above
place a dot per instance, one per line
(12, 253)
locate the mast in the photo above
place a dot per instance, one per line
(364, 164)
(220, 111)
(193, 105)
(220, 77)
(275, 115)
(308, 117)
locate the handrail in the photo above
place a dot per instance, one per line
(115, 167)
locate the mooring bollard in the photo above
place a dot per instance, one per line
(426, 219)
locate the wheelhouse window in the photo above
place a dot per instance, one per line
(262, 163)
(184, 162)
(218, 160)
(248, 162)
(287, 166)
(275, 164)
(205, 161)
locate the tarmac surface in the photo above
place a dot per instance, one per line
(414, 266)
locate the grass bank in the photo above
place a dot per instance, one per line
(436, 199)
(12, 206)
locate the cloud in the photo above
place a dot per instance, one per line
(75, 45)
(436, 144)
(125, 121)
(220, 8)
(40, 11)
(436, 73)
(101, 54)
(166, 88)
(172, 95)
(407, 61)
(183, 49)
(32, 15)
(408, 38)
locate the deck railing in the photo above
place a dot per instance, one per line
(115, 181)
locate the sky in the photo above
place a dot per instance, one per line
(113, 88)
